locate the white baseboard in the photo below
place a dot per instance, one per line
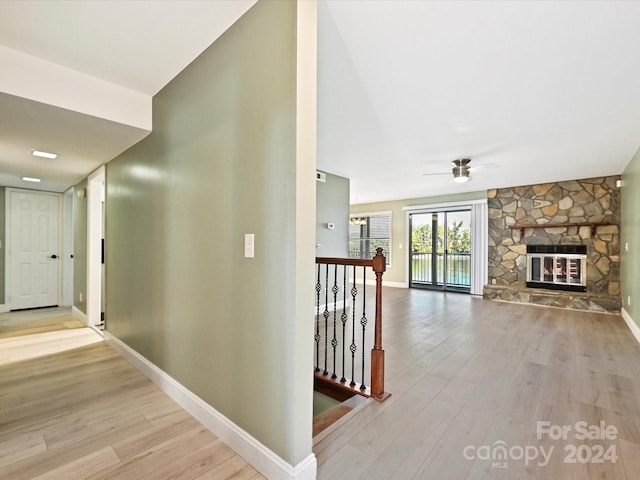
(80, 315)
(4, 308)
(332, 306)
(384, 283)
(394, 284)
(255, 453)
(633, 326)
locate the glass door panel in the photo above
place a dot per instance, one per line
(440, 250)
(458, 250)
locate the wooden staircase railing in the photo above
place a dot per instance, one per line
(337, 281)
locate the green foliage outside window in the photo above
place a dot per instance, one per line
(458, 236)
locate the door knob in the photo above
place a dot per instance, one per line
(54, 256)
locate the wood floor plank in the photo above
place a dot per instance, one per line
(503, 367)
(461, 371)
(405, 455)
(234, 468)
(629, 456)
(193, 464)
(82, 467)
(158, 456)
(56, 458)
(19, 447)
(73, 408)
(152, 437)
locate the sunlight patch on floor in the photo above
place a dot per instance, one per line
(12, 349)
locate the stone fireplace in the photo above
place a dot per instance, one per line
(556, 244)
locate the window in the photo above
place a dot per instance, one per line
(369, 231)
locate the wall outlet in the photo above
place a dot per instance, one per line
(626, 246)
(628, 300)
(80, 296)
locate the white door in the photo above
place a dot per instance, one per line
(33, 250)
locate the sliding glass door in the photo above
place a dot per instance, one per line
(440, 250)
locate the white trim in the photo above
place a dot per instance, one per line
(371, 281)
(407, 248)
(80, 315)
(633, 326)
(369, 214)
(479, 247)
(94, 245)
(255, 453)
(4, 308)
(339, 305)
(66, 248)
(7, 235)
(393, 284)
(443, 206)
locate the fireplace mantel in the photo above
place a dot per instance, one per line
(592, 225)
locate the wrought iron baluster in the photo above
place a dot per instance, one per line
(326, 318)
(344, 317)
(363, 321)
(375, 362)
(317, 335)
(334, 340)
(353, 347)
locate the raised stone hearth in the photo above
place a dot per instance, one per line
(588, 201)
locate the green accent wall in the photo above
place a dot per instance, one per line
(397, 271)
(3, 272)
(222, 161)
(332, 206)
(630, 234)
(80, 250)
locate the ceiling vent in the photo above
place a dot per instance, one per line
(321, 177)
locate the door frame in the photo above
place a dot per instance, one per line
(446, 286)
(95, 196)
(7, 241)
(67, 247)
(479, 237)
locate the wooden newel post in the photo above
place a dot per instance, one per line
(377, 353)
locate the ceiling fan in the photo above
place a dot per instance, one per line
(462, 169)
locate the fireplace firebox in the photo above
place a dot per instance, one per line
(557, 267)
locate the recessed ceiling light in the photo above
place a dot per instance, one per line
(40, 153)
(31, 179)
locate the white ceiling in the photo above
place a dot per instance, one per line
(131, 45)
(545, 90)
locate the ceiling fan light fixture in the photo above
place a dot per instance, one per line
(461, 170)
(461, 178)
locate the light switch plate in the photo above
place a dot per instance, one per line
(249, 239)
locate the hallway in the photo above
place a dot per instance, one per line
(72, 408)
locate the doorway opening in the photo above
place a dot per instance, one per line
(440, 250)
(95, 249)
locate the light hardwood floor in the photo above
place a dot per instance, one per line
(470, 376)
(72, 408)
(463, 372)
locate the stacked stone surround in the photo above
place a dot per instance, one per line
(594, 200)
